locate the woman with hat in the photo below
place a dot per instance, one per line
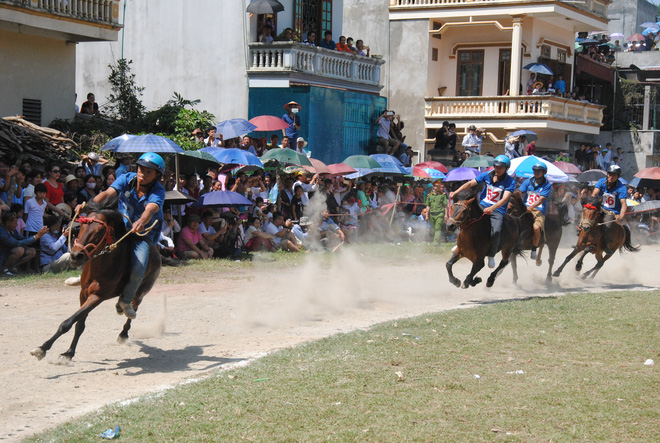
(292, 119)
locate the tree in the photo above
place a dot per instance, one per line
(125, 101)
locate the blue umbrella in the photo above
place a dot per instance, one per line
(461, 174)
(434, 173)
(529, 135)
(234, 156)
(115, 142)
(362, 172)
(539, 68)
(146, 143)
(389, 164)
(522, 167)
(650, 31)
(234, 128)
(224, 198)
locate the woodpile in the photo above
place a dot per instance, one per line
(21, 140)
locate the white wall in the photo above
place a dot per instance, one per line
(37, 68)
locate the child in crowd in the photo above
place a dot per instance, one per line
(36, 208)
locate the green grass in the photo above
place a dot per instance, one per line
(582, 357)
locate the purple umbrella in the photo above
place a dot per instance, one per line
(224, 198)
(461, 174)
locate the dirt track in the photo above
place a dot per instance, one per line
(186, 330)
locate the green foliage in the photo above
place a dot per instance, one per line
(124, 102)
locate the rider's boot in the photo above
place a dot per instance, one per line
(127, 309)
(532, 255)
(491, 262)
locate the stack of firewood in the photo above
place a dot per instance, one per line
(21, 140)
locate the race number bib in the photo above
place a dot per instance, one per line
(532, 197)
(493, 194)
(609, 201)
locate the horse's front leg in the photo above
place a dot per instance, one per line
(456, 256)
(471, 280)
(80, 328)
(600, 261)
(493, 275)
(514, 268)
(539, 251)
(123, 335)
(575, 251)
(552, 254)
(580, 262)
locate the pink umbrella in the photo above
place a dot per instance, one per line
(341, 169)
(268, 123)
(433, 165)
(568, 168)
(650, 173)
(420, 172)
(318, 167)
(636, 38)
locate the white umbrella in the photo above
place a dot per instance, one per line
(522, 167)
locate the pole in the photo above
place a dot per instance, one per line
(176, 182)
(122, 30)
(396, 199)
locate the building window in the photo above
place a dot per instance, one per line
(312, 15)
(434, 54)
(32, 110)
(504, 72)
(561, 55)
(470, 73)
(545, 51)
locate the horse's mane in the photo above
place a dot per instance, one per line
(593, 201)
(517, 202)
(466, 195)
(114, 218)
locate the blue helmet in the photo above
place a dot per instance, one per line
(540, 166)
(153, 161)
(502, 160)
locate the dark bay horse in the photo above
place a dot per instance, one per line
(591, 238)
(551, 236)
(473, 241)
(104, 275)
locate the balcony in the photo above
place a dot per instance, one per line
(524, 112)
(73, 20)
(281, 64)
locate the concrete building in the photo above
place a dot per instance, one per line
(38, 40)
(626, 16)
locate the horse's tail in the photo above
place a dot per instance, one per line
(627, 245)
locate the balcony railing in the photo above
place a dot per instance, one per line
(528, 106)
(98, 11)
(283, 57)
(596, 7)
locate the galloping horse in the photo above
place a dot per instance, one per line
(473, 241)
(591, 239)
(552, 237)
(105, 273)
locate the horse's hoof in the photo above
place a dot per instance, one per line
(539, 262)
(476, 281)
(65, 358)
(456, 283)
(578, 268)
(39, 353)
(490, 283)
(121, 340)
(584, 276)
(465, 285)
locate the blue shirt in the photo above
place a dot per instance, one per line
(52, 247)
(493, 192)
(291, 131)
(560, 85)
(613, 195)
(332, 45)
(11, 240)
(121, 170)
(133, 207)
(532, 192)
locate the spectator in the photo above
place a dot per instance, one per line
(212, 236)
(281, 233)
(191, 243)
(560, 84)
(311, 38)
(386, 143)
(266, 36)
(435, 210)
(69, 203)
(472, 141)
(510, 147)
(54, 189)
(349, 45)
(33, 178)
(170, 227)
(54, 256)
(297, 206)
(35, 209)
(93, 163)
(341, 46)
(406, 157)
(286, 36)
(301, 144)
(89, 191)
(327, 42)
(19, 210)
(246, 145)
(531, 148)
(562, 157)
(530, 83)
(274, 143)
(293, 120)
(15, 250)
(256, 239)
(108, 181)
(361, 49)
(213, 140)
(90, 106)
(286, 142)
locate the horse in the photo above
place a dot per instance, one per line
(107, 266)
(591, 239)
(551, 235)
(473, 241)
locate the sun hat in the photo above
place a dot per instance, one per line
(291, 104)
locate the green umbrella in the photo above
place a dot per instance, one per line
(196, 162)
(478, 161)
(361, 162)
(286, 156)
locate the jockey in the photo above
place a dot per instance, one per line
(494, 199)
(614, 201)
(141, 199)
(536, 191)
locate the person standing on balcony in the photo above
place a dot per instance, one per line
(472, 141)
(361, 49)
(560, 85)
(292, 119)
(266, 35)
(327, 42)
(342, 46)
(530, 83)
(311, 39)
(286, 36)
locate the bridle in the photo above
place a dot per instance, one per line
(465, 207)
(586, 223)
(92, 249)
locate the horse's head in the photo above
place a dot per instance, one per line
(461, 213)
(97, 231)
(516, 205)
(590, 212)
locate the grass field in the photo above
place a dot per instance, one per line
(542, 369)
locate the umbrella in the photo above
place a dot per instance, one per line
(645, 183)
(461, 174)
(363, 172)
(434, 173)
(418, 172)
(115, 142)
(650, 31)
(361, 161)
(529, 135)
(318, 167)
(636, 38)
(265, 7)
(145, 143)
(389, 164)
(286, 156)
(609, 45)
(175, 197)
(234, 128)
(587, 42)
(234, 156)
(478, 161)
(341, 169)
(650, 173)
(268, 123)
(591, 175)
(648, 206)
(568, 168)
(191, 161)
(538, 68)
(616, 35)
(433, 164)
(652, 25)
(522, 167)
(224, 198)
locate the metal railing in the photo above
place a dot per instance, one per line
(98, 11)
(296, 57)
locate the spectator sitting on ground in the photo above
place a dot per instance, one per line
(212, 237)
(191, 243)
(19, 210)
(69, 203)
(327, 42)
(54, 256)
(15, 249)
(256, 239)
(331, 233)
(281, 232)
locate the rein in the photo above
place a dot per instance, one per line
(466, 208)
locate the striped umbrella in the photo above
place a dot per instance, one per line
(145, 143)
(389, 164)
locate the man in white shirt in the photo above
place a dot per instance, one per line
(281, 233)
(472, 141)
(307, 185)
(386, 143)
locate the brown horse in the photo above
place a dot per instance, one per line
(105, 273)
(551, 237)
(591, 239)
(473, 241)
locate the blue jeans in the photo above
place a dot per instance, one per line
(496, 219)
(139, 260)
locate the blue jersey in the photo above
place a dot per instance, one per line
(291, 131)
(532, 192)
(612, 195)
(493, 192)
(133, 207)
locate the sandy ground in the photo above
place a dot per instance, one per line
(184, 331)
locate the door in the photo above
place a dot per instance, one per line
(504, 72)
(470, 73)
